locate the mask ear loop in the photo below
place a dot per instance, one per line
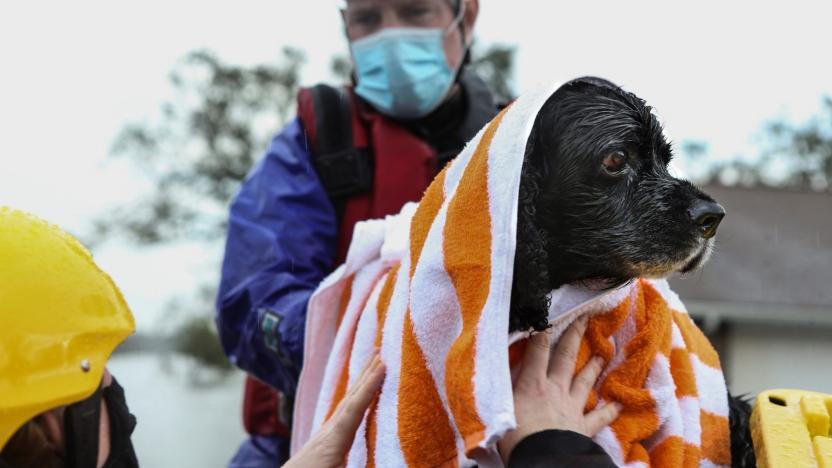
(457, 21)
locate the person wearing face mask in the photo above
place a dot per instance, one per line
(353, 153)
(61, 319)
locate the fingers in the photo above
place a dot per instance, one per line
(586, 378)
(562, 364)
(367, 385)
(600, 418)
(365, 373)
(350, 411)
(329, 446)
(536, 357)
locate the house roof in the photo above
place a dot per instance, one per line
(774, 248)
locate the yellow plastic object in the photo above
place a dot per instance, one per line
(790, 428)
(60, 319)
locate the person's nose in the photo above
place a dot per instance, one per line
(706, 215)
(392, 20)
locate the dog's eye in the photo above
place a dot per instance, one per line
(615, 161)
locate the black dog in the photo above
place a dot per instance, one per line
(597, 204)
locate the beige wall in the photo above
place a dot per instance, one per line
(760, 357)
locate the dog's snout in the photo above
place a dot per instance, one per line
(706, 215)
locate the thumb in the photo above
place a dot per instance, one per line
(600, 418)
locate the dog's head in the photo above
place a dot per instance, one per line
(597, 202)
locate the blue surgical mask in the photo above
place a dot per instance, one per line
(403, 72)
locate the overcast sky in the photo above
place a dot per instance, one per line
(74, 72)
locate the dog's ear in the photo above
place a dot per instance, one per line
(637, 107)
(539, 145)
(540, 142)
(529, 300)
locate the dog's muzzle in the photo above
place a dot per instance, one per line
(705, 216)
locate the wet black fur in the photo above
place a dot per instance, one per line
(577, 222)
(742, 447)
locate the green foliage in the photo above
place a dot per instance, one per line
(341, 67)
(797, 157)
(496, 66)
(197, 337)
(208, 137)
(806, 148)
(694, 149)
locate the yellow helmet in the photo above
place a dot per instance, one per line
(60, 319)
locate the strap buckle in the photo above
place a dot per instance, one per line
(346, 172)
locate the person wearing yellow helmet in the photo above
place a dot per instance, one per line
(60, 319)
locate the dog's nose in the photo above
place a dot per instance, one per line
(707, 216)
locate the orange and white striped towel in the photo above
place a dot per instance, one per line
(659, 366)
(431, 288)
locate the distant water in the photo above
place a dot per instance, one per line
(180, 425)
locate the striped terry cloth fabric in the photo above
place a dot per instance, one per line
(431, 286)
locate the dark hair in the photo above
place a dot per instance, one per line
(29, 448)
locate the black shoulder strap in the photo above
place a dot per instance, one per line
(333, 119)
(343, 169)
(480, 109)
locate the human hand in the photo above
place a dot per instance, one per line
(330, 445)
(546, 396)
